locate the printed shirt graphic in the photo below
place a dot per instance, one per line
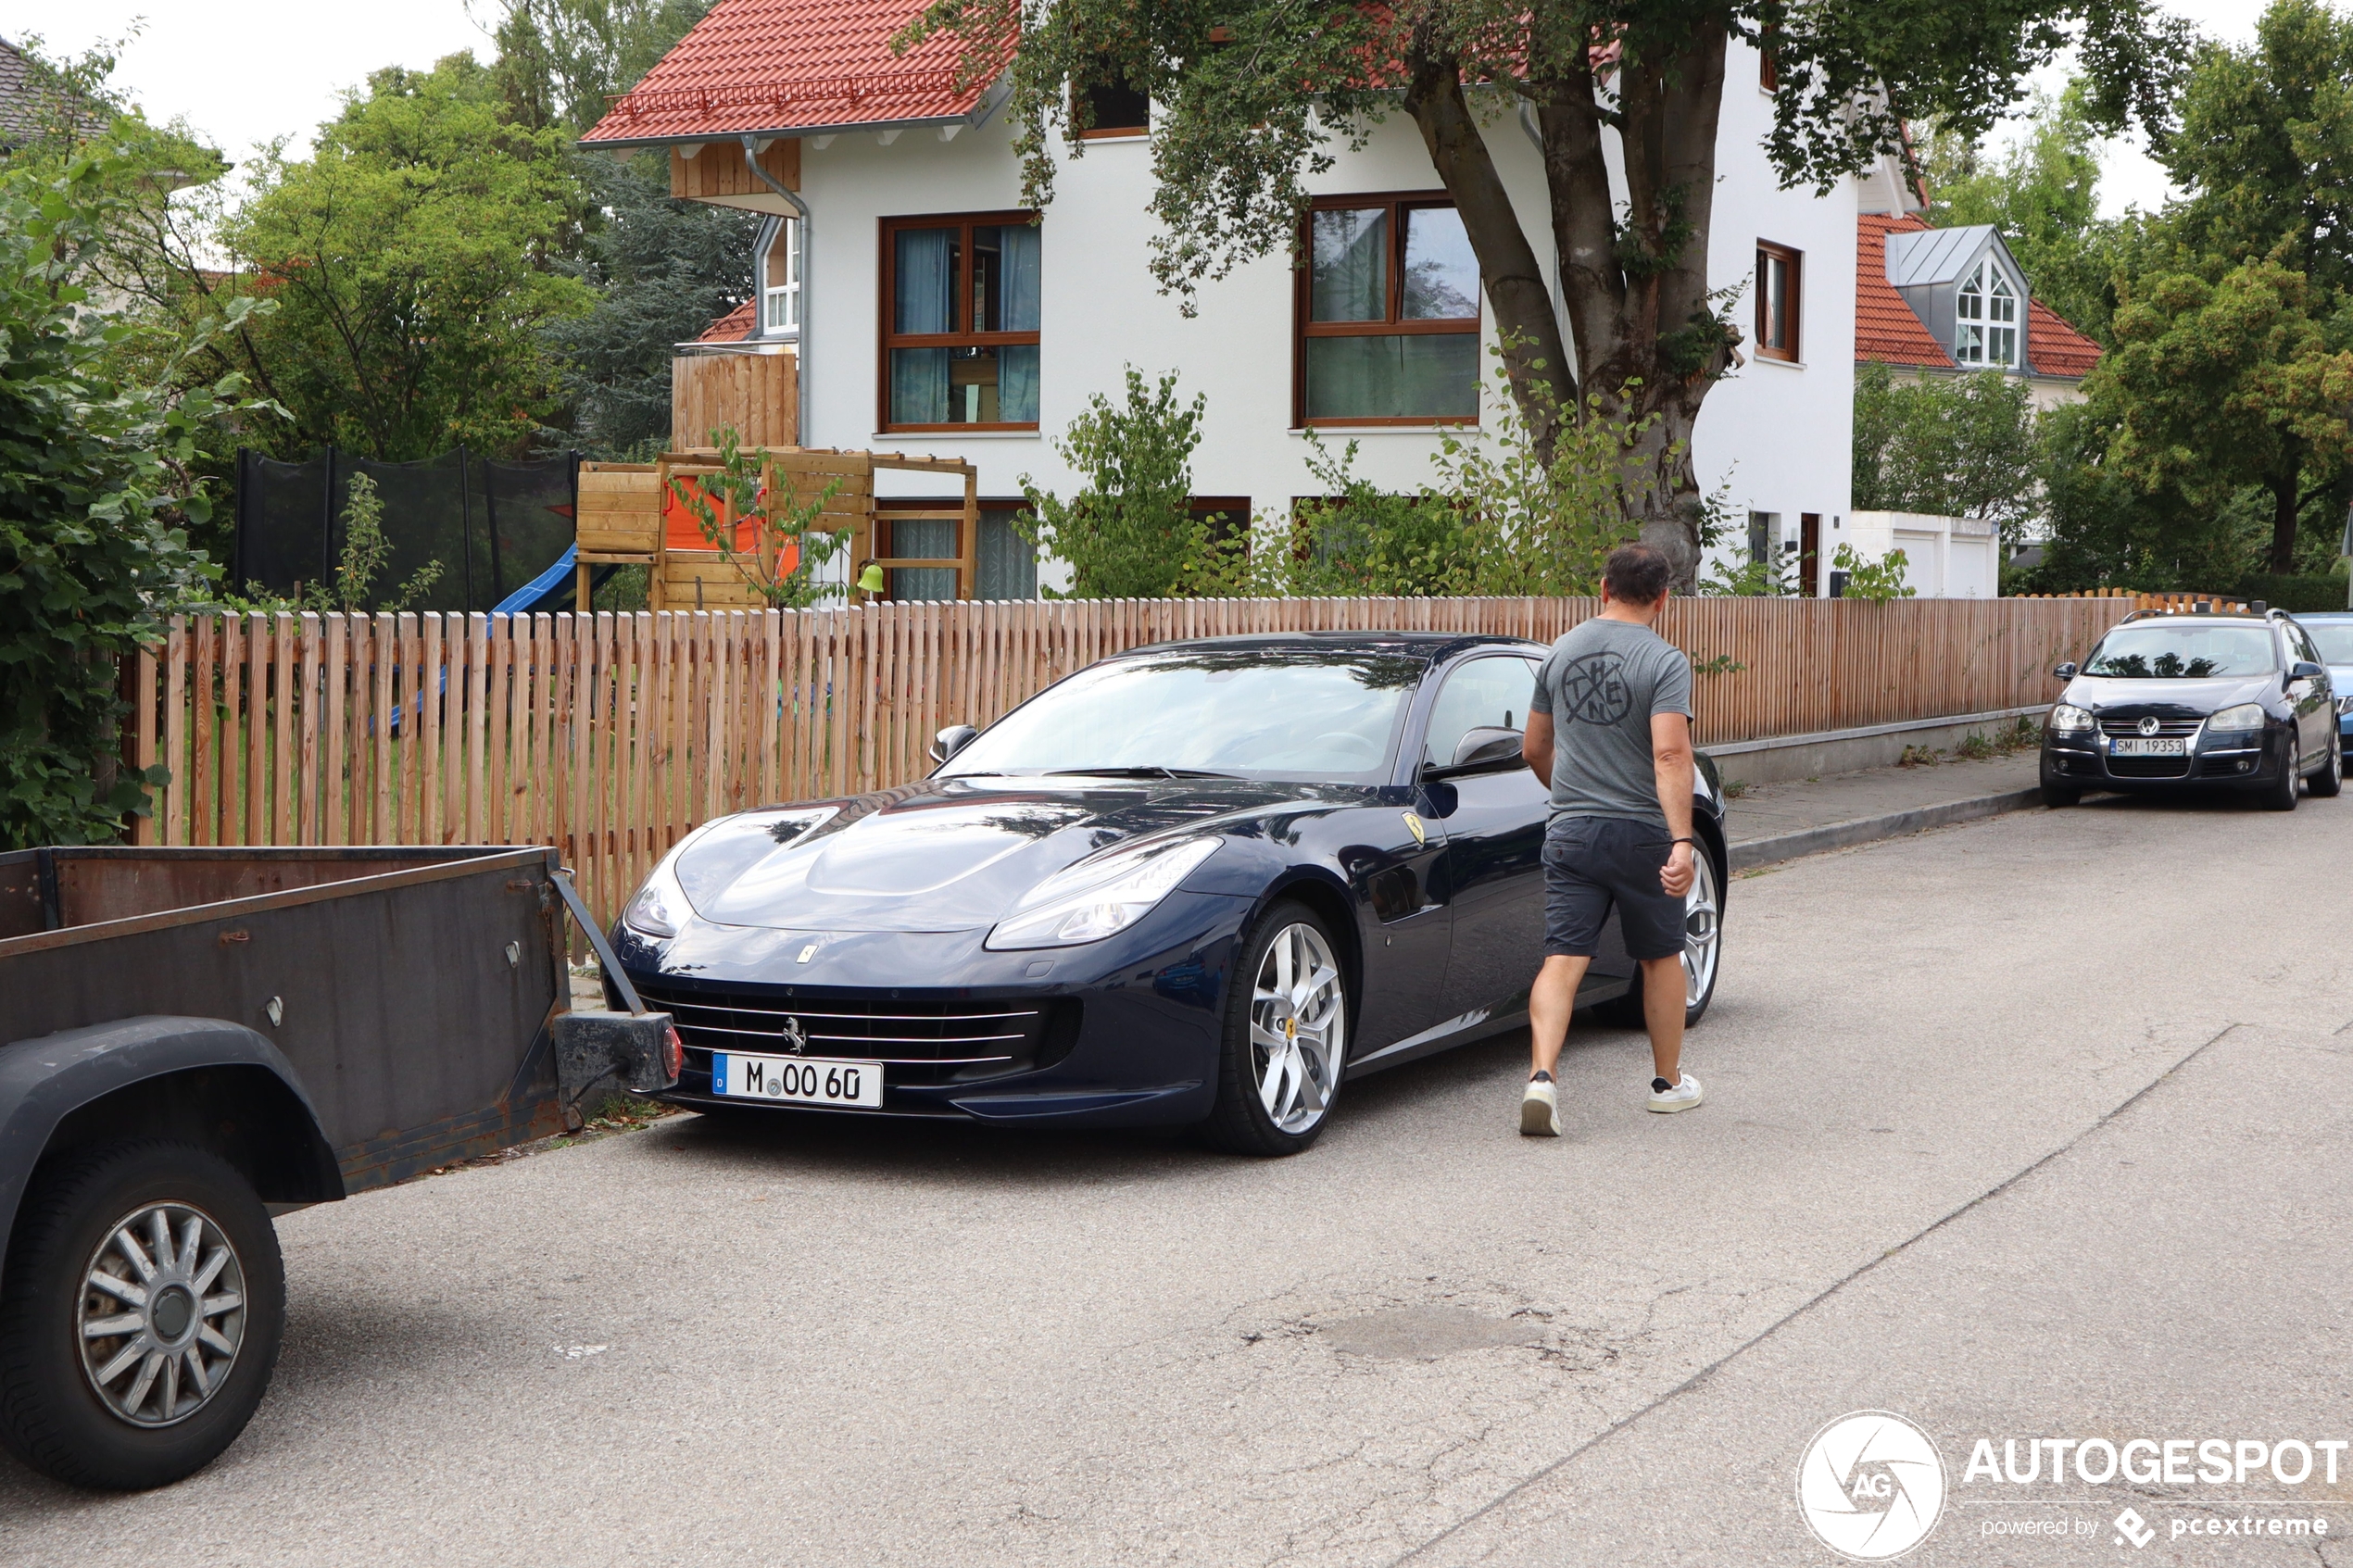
(1602, 683)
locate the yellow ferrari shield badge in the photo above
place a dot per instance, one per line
(1413, 825)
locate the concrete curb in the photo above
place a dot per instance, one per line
(1867, 830)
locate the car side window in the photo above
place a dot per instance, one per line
(2306, 648)
(1490, 693)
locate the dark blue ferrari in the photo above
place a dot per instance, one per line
(1197, 883)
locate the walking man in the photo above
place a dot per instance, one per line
(1609, 730)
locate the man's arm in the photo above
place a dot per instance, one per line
(1536, 747)
(1673, 763)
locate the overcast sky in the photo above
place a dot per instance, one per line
(246, 70)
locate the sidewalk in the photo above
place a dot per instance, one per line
(1780, 821)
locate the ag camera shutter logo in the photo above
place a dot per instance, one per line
(1871, 1485)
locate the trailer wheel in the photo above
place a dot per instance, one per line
(140, 1315)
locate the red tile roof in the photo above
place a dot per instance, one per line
(2056, 348)
(792, 65)
(1886, 329)
(734, 327)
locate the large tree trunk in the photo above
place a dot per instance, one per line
(1534, 356)
(2284, 512)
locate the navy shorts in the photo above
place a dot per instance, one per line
(1593, 863)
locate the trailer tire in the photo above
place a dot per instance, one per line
(55, 1414)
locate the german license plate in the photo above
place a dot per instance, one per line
(795, 1080)
(2138, 745)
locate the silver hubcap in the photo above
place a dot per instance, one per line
(163, 1312)
(1297, 1028)
(1702, 929)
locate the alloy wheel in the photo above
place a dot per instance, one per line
(1702, 931)
(1297, 1028)
(163, 1314)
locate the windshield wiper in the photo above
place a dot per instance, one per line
(1142, 770)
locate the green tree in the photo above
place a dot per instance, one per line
(1950, 446)
(93, 476)
(2217, 386)
(1130, 532)
(1253, 94)
(411, 261)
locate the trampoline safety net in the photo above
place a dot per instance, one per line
(492, 525)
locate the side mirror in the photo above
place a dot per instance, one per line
(952, 740)
(2305, 669)
(2064, 672)
(1481, 749)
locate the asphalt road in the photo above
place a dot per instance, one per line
(2034, 1127)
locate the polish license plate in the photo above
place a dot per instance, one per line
(2137, 746)
(795, 1080)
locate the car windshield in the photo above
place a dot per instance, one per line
(1286, 713)
(2335, 638)
(2169, 651)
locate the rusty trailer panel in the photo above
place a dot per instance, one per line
(412, 989)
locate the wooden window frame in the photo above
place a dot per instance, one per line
(1794, 297)
(891, 510)
(1392, 325)
(1111, 133)
(887, 339)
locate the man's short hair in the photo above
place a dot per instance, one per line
(1637, 573)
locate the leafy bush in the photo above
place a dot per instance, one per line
(1877, 580)
(2308, 590)
(93, 494)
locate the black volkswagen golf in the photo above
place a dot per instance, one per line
(1197, 883)
(2198, 701)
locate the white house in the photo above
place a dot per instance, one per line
(931, 317)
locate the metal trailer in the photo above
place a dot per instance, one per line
(194, 1041)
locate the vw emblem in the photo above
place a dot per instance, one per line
(2149, 726)
(794, 1041)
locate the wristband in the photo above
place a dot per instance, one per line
(1692, 841)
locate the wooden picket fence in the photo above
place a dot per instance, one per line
(609, 736)
(2132, 599)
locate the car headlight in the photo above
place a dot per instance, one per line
(1090, 901)
(2345, 704)
(2068, 719)
(2237, 719)
(660, 907)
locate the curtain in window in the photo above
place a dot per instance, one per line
(1008, 561)
(924, 286)
(922, 538)
(1422, 375)
(1349, 280)
(1019, 243)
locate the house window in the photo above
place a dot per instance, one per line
(1388, 314)
(1114, 108)
(1986, 317)
(960, 323)
(1778, 282)
(780, 280)
(1006, 560)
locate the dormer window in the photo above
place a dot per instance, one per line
(1985, 319)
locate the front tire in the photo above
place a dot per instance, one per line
(1286, 1037)
(2329, 781)
(2281, 796)
(139, 1317)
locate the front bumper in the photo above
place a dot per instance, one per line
(1123, 1033)
(2086, 761)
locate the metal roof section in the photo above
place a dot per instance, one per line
(1928, 257)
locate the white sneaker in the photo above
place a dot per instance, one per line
(1683, 1097)
(1540, 1109)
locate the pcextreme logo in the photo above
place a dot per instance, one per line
(1871, 1485)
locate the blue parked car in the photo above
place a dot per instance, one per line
(2333, 633)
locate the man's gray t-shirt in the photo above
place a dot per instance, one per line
(1602, 683)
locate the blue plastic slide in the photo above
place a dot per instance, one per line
(552, 590)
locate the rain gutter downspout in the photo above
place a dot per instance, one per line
(808, 262)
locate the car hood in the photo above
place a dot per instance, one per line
(2180, 699)
(948, 854)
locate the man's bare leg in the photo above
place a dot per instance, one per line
(1550, 1001)
(1663, 1012)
